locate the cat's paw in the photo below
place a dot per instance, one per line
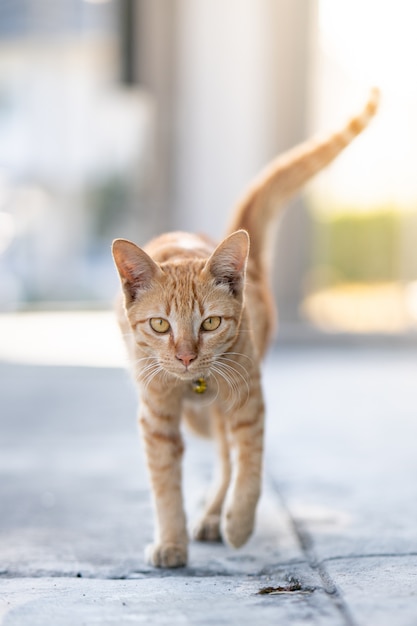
(166, 555)
(208, 529)
(236, 528)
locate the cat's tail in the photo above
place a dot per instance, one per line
(282, 178)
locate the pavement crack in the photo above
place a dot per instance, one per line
(370, 555)
(307, 546)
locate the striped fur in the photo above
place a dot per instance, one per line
(215, 308)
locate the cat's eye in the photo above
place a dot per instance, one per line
(159, 325)
(211, 323)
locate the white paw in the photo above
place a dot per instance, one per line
(166, 555)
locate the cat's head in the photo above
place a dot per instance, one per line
(186, 312)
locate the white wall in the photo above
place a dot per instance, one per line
(219, 102)
(240, 91)
(238, 100)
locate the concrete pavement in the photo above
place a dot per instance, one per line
(336, 537)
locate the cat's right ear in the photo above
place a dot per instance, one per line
(136, 268)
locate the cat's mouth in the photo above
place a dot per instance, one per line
(190, 374)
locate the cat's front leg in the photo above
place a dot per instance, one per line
(246, 433)
(164, 450)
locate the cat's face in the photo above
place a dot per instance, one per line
(186, 313)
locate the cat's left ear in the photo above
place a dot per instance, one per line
(227, 264)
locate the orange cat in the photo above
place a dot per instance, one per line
(197, 320)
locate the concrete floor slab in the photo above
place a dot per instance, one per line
(337, 514)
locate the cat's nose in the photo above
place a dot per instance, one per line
(186, 357)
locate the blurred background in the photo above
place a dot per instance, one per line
(124, 118)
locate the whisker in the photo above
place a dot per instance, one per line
(223, 358)
(245, 356)
(149, 371)
(232, 376)
(150, 378)
(232, 384)
(226, 379)
(145, 358)
(225, 361)
(144, 375)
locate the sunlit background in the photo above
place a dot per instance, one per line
(364, 264)
(123, 118)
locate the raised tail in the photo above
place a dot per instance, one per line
(282, 178)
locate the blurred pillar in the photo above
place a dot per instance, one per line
(292, 27)
(230, 79)
(154, 68)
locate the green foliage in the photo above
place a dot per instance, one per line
(359, 247)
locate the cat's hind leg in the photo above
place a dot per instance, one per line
(208, 527)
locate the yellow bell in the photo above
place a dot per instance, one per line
(199, 385)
